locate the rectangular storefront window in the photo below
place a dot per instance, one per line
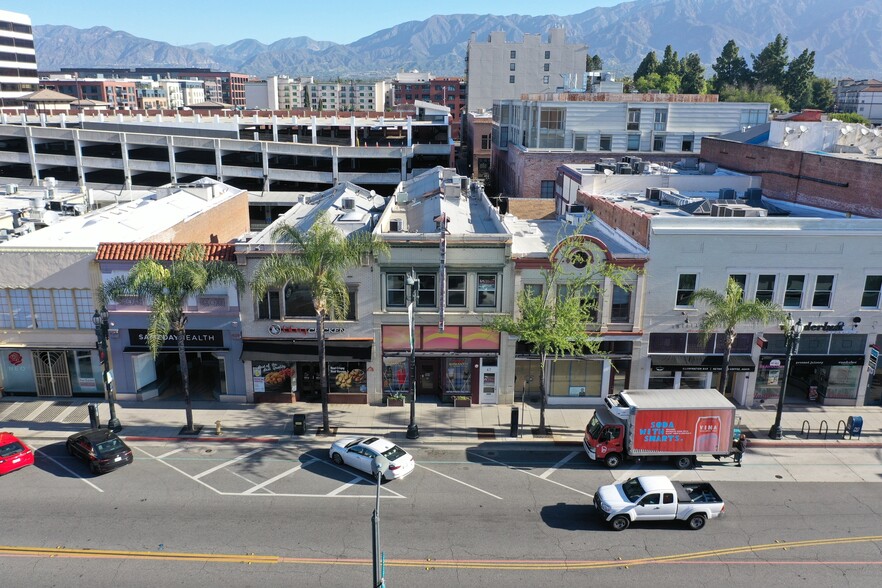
(841, 382)
(84, 308)
(347, 377)
(273, 376)
(396, 376)
(458, 377)
(576, 378)
(663, 379)
(43, 313)
(5, 310)
(65, 312)
(694, 380)
(22, 314)
(526, 379)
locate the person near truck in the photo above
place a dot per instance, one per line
(738, 449)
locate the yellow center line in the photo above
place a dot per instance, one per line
(536, 565)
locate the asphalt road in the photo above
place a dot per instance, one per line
(284, 515)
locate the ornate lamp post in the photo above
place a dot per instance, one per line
(411, 290)
(792, 331)
(102, 326)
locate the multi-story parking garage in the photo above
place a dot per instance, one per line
(259, 152)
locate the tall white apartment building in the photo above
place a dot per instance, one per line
(18, 60)
(286, 93)
(501, 70)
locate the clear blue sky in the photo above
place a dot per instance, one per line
(183, 22)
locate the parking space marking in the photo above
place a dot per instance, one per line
(356, 480)
(67, 469)
(279, 477)
(226, 463)
(172, 452)
(557, 466)
(179, 470)
(460, 482)
(589, 495)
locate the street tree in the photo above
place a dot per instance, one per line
(726, 311)
(730, 68)
(167, 286)
(670, 63)
(797, 83)
(692, 80)
(649, 65)
(769, 66)
(822, 94)
(317, 260)
(560, 317)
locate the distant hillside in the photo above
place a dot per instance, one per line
(844, 35)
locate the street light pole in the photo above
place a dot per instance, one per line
(412, 288)
(379, 465)
(102, 327)
(792, 332)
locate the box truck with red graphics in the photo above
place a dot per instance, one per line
(675, 424)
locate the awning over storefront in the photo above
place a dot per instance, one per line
(335, 350)
(701, 363)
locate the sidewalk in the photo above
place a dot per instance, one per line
(438, 425)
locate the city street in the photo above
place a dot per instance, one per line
(283, 514)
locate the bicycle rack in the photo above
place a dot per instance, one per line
(823, 426)
(806, 428)
(844, 429)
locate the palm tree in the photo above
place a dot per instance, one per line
(727, 311)
(319, 259)
(167, 287)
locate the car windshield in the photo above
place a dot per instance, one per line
(594, 427)
(110, 446)
(394, 453)
(633, 490)
(11, 449)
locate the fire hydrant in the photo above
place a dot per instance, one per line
(217, 427)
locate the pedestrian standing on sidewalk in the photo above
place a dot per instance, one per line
(738, 449)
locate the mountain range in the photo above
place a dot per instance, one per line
(843, 34)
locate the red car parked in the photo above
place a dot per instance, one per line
(14, 454)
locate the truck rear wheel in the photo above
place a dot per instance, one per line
(697, 521)
(620, 523)
(613, 460)
(683, 462)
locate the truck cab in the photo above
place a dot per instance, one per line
(605, 438)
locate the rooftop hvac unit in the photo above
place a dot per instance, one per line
(756, 212)
(640, 167)
(653, 193)
(623, 168)
(348, 204)
(395, 225)
(752, 194)
(728, 194)
(401, 198)
(11, 189)
(707, 167)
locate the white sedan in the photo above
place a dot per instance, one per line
(360, 452)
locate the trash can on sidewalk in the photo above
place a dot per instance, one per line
(514, 422)
(854, 425)
(94, 422)
(299, 424)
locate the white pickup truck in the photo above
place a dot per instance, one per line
(657, 498)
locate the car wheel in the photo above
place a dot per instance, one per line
(337, 458)
(620, 523)
(93, 467)
(697, 521)
(613, 460)
(683, 462)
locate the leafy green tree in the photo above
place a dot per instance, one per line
(822, 94)
(692, 79)
(318, 259)
(768, 94)
(649, 65)
(593, 63)
(797, 83)
(769, 66)
(670, 84)
(726, 312)
(557, 320)
(849, 117)
(166, 287)
(670, 63)
(731, 69)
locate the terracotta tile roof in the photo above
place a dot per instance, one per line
(160, 251)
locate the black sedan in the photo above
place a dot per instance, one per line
(100, 448)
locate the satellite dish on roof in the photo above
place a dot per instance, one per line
(848, 128)
(786, 143)
(802, 128)
(843, 130)
(864, 131)
(607, 172)
(787, 130)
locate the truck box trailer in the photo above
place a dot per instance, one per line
(678, 424)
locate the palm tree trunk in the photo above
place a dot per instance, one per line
(727, 353)
(185, 377)
(542, 392)
(323, 371)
